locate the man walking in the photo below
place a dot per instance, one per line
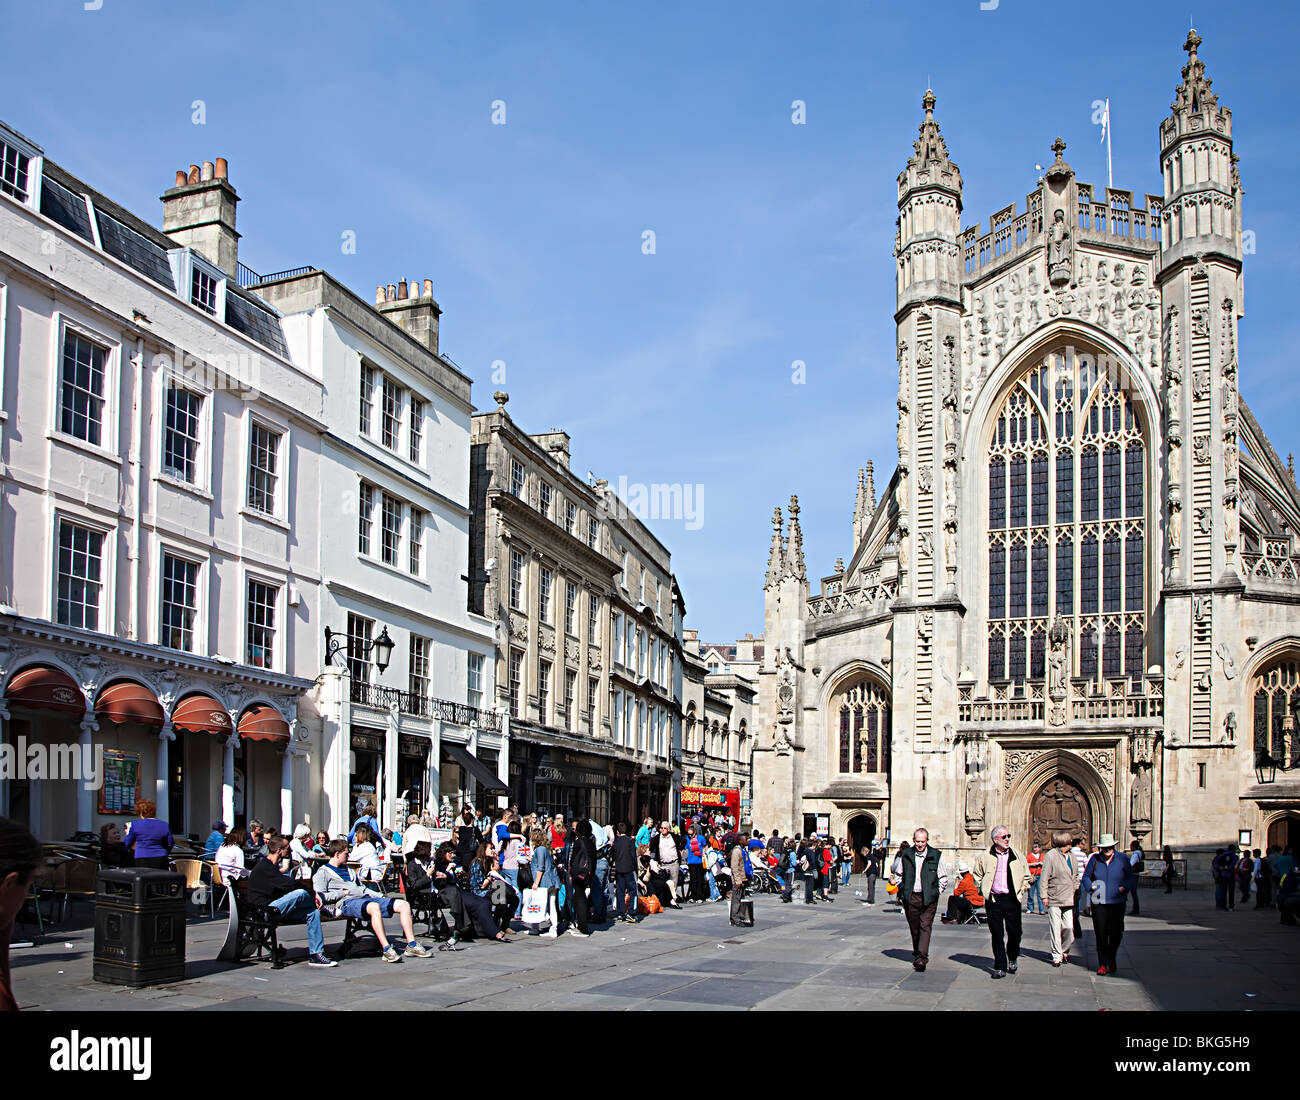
(623, 854)
(1225, 893)
(919, 887)
(667, 850)
(1139, 865)
(1003, 879)
(1059, 884)
(1107, 882)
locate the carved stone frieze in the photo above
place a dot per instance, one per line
(1013, 763)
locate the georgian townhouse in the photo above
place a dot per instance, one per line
(159, 476)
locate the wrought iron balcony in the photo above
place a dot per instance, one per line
(423, 706)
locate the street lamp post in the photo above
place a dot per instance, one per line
(382, 647)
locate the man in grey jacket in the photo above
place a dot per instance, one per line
(343, 895)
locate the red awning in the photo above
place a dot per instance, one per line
(201, 714)
(46, 688)
(125, 702)
(263, 723)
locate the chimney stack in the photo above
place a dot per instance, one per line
(199, 213)
(414, 313)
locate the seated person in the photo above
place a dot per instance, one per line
(965, 897)
(231, 856)
(366, 854)
(268, 886)
(487, 881)
(421, 887)
(215, 839)
(255, 846)
(448, 879)
(112, 850)
(344, 894)
(652, 881)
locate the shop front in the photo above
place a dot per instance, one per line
(366, 782)
(413, 771)
(551, 780)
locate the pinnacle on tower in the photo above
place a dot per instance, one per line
(871, 492)
(1194, 92)
(794, 563)
(931, 150)
(776, 557)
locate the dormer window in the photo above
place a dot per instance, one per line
(204, 282)
(203, 291)
(20, 167)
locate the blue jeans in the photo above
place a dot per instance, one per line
(598, 898)
(299, 905)
(1034, 903)
(511, 875)
(625, 889)
(848, 870)
(713, 886)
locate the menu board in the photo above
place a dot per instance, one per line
(121, 782)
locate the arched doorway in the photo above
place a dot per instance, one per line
(1059, 805)
(1284, 830)
(862, 831)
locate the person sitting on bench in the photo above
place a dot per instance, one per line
(268, 886)
(344, 894)
(420, 886)
(965, 897)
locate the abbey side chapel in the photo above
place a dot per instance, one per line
(1077, 604)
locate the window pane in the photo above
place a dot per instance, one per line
(1110, 654)
(392, 412)
(1017, 504)
(1111, 481)
(1064, 487)
(414, 444)
(261, 625)
(1088, 483)
(365, 516)
(1039, 487)
(1039, 565)
(997, 494)
(1133, 652)
(1017, 581)
(1133, 572)
(391, 536)
(179, 603)
(1133, 490)
(1111, 574)
(181, 434)
(79, 572)
(857, 739)
(1065, 576)
(263, 446)
(997, 657)
(82, 389)
(997, 582)
(1016, 670)
(1088, 653)
(1037, 655)
(1089, 594)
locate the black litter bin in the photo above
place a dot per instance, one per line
(139, 926)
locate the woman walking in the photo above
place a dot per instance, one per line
(582, 873)
(695, 866)
(1057, 884)
(1107, 883)
(1167, 875)
(545, 876)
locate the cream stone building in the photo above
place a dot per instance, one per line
(1077, 603)
(719, 689)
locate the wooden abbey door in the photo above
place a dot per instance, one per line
(1060, 805)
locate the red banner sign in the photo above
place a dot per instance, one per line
(727, 798)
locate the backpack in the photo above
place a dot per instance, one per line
(580, 864)
(744, 855)
(1139, 865)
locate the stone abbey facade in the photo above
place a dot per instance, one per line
(1077, 603)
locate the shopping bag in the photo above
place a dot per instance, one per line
(535, 908)
(647, 905)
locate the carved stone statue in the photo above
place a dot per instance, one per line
(1060, 251)
(1142, 796)
(1058, 663)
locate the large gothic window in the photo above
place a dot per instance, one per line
(860, 715)
(1277, 700)
(1067, 467)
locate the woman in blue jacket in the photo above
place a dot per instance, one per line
(1108, 880)
(545, 877)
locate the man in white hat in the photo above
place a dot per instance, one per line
(1108, 881)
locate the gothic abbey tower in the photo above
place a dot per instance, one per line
(1077, 603)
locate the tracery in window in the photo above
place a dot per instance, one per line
(1067, 520)
(860, 716)
(1277, 699)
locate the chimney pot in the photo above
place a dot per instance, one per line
(414, 287)
(194, 173)
(222, 168)
(401, 289)
(207, 170)
(379, 295)
(392, 292)
(428, 288)
(181, 177)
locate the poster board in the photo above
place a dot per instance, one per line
(121, 785)
(721, 801)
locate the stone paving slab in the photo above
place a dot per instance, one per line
(1180, 954)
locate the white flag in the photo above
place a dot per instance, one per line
(1105, 121)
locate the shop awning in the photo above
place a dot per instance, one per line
(46, 688)
(262, 723)
(201, 714)
(486, 778)
(125, 702)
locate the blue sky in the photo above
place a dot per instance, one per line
(773, 241)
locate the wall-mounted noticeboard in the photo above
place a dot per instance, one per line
(121, 782)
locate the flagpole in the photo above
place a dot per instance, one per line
(1110, 178)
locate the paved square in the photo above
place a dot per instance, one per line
(1180, 954)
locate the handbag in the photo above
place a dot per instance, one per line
(647, 905)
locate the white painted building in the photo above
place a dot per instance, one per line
(394, 516)
(159, 478)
